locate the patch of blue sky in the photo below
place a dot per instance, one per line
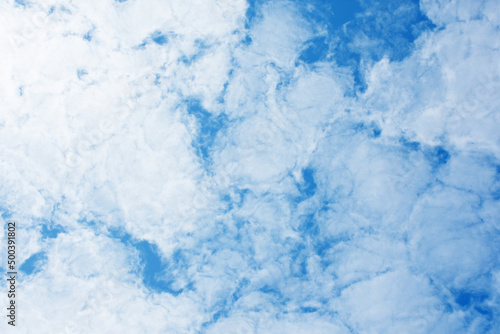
(22, 3)
(222, 95)
(409, 145)
(322, 244)
(5, 213)
(229, 201)
(142, 45)
(467, 299)
(157, 37)
(247, 40)
(33, 264)
(272, 290)
(201, 47)
(189, 60)
(319, 48)
(316, 49)
(157, 81)
(476, 308)
(252, 12)
(308, 186)
(309, 227)
(242, 195)
(333, 14)
(285, 80)
(372, 130)
(308, 309)
(391, 27)
(375, 131)
(298, 253)
(81, 73)
(208, 127)
(437, 156)
(156, 273)
(88, 222)
(88, 36)
(51, 231)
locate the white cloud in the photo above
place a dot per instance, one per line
(399, 229)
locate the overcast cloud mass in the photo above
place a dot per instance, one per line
(260, 166)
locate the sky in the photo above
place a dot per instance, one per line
(260, 166)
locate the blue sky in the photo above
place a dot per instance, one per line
(252, 166)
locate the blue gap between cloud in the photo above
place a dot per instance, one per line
(155, 271)
(209, 126)
(51, 231)
(33, 263)
(391, 32)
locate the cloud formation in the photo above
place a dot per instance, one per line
(261, 167)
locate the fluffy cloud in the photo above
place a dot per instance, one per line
(220, 166)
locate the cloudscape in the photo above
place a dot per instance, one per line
(244, 167)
